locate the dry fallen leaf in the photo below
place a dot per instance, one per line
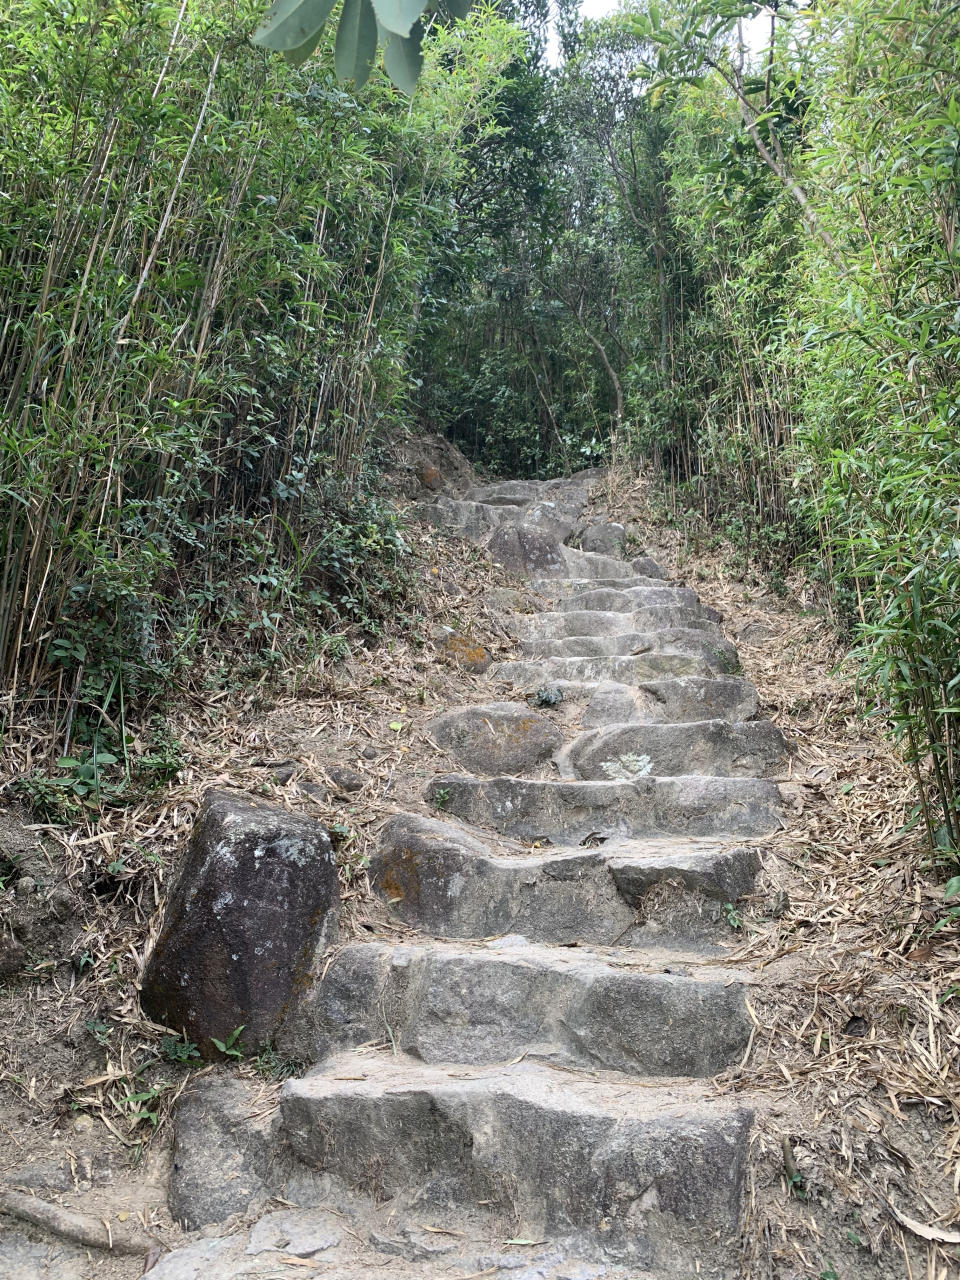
(924, 1232)
(921, 953)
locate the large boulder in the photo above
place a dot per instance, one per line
(255, 902)
(523, 548)
(432, 463)
(605, 539)
(498, 737)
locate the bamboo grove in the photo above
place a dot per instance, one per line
(210, 265)
(743, 272)
(718, 241)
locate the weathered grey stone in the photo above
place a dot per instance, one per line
(439, 877)
(526, 549)
(648, 567)
(606, 539)
(223, 1150)
(627, 599)
(499, 737)
(509, 600)
(556, 518)
(344, 778)
(467, 652)
(519, 492)
(547, 1152)
(534, 809)
(301, 1232)
(255, 900)
(448, 1003)
(397, 1250)
(572, 491)
(599, 622)
(699, 698)
(553, 514)
(613, 703)
(24, 1259)
(672, 700)
(469, 520)
(713, 748)
(722, 873)
(626, 669)
(709, 645)
(587, 566)
(564, 588)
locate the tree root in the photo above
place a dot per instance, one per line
(80, 1228)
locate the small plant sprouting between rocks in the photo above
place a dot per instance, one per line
(731, 915)
(548, 696)
(178, 1049)
(229, 1047)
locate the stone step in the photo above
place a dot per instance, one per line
(452, 882)
(537, 809)
(496, 737)
(598, 622)
(711, 748)
(469, 520)
(630, 669)
(645, 594)
(529, 491)
(561, 589)
(591, 566)
(670, 700)
(390, 1248)
(650, 1174)
(448, 1002)
(692, 640)
(232, 1160)
(676, 700)
(476, 521)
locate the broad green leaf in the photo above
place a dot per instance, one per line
(356, 41)
(297, 57)
(291, 24)
(459, 8)
(952, 887)
(398, 16)
(403, 59)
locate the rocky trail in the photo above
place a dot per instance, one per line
(512, 1066)
(520, 1088)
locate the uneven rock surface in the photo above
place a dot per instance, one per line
(256, 897)
(512, 1078)
(501, 737)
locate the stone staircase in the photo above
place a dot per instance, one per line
(515, 1083)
